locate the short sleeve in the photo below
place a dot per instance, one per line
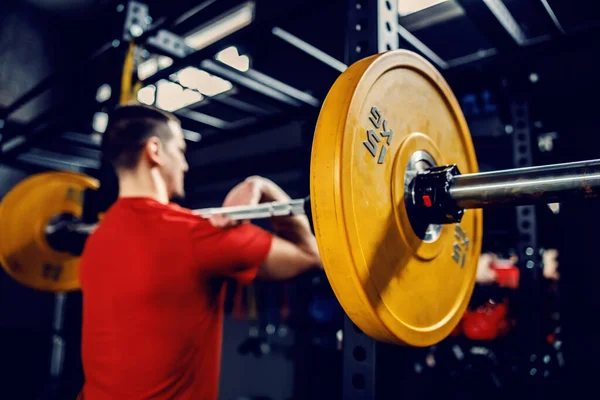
(236, 252)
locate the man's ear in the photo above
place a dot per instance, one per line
(153, 151)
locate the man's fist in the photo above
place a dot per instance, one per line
(489, 265)
(485, 272)
(246, 193)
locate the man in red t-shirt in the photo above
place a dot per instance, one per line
(152, 273)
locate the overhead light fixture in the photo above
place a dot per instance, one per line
(170, 96)
(151, 66)
(232, 57)
(221, 27)
(103, 93)
(205, 83)
(147, 68)
(190, 97)
(147, 95)
(406, 7)
(164, 62)
(190, 77)
(100, 122)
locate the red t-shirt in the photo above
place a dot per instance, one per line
(152, 279)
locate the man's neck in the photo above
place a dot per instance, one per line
(143, 184)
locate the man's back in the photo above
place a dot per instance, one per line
(153, 292)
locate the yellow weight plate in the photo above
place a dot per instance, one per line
(385, 117)
(24, 214)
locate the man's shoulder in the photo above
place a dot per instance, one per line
(176, 209)
(176, 213)
(148, 208)
(124, 216)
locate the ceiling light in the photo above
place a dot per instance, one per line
(164, 62)
(232, 57)
(168, 95)
(205, 83)
(221, 27)
(191, 77)
(190, 97)
(147, 69)
(147, 95)
(406, 7)
(171, 96)
(100, 122)
(103, 93)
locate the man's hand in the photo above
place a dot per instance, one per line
(248, 192)
(255, 190)
(485, 272)
(295, 248)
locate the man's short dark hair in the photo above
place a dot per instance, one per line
(128, 129)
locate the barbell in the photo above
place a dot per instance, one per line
(396, 202)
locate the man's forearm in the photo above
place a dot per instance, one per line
(297, 231)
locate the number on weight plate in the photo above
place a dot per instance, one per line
(374, 138)
(460, 247)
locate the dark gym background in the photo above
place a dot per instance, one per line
(545, 64)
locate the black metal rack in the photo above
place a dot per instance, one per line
(459, 37)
